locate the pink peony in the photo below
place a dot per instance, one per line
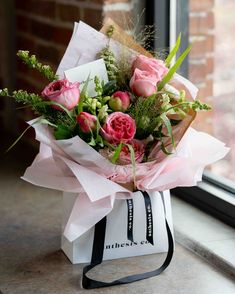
(119, 127)
(125, 156)
(143, 83)
(120, 101)
(62, 92)
(151, 65)
(87, 122)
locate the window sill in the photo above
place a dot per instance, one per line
(204, 235)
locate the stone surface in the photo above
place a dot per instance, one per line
(31, 260)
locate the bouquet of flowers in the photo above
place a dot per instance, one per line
(113, 120)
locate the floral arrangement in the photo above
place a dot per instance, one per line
(114, 124)
(130, 116)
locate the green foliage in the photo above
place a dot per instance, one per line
(63, 132)
(146, 112)
(173, 52)
(117, 152)
(173, 69)
(167, 123)
(110, 62)
(110, 31)
(109, 88)
(32, 62)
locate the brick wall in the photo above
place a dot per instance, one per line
(44, 28)
(201, 59)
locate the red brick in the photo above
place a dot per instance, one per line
(23, 23)
(22, 4)
(62, 35)
(23, 84)
(210, 39)
(198, 49)
(42, 30)
(43, 8)
(93, 17)
(68, 13)
(1, 83)
(198, 25)
(197, 72)
(206, 91)
(110, 1)
(47, 53)
(210, 20)
(202, 6)
(25, 43)
(210, 65)
(2, 103)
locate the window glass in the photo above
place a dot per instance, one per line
(212, 68)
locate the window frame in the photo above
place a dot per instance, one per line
(214, 195)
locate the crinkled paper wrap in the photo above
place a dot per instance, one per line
(73, 166)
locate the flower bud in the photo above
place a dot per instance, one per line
(87, 122)
(120, 101)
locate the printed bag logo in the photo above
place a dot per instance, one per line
(127, 244)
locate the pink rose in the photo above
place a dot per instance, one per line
(119, 127)
(87, 122)
(143, 83)
(125, 156)
(120, 101)
(151, 65)
(62, 92)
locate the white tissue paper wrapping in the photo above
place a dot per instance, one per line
(72, 166)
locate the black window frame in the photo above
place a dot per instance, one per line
(214, 195)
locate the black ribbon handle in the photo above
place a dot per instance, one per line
(97, 258)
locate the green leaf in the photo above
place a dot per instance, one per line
(109, 87)
(173, 69)
(57, 104)
(116, 153)
(83, 95)
(173, 51)
(22, 134)
(18, 139)
(92, 141)
(163, 148)
(167, 123)
(62, 132)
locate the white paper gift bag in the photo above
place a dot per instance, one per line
(131, 227)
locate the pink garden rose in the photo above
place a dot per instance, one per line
(147, 72)
(151, 65)
(87, 122)
(119, 101)
(125, 156)
(62, 92)
(143, 83)
(119, 127)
